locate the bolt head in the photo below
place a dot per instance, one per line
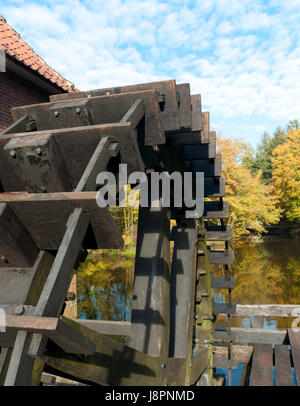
(78, 111)
(3, 258)
(163, 365)
(13, 154)
(38, 151)
(19, 309)
(56, 114)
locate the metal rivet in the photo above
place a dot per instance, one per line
(4, 259)
(19, 309)
(56, 114)
(78, 111)
(190, 365)
(42, 189)
(163, 365)
(38, 151)
(108, 93)
(12, 153)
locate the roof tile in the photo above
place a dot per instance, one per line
(16, 47)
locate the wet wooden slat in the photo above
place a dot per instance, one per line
(283, 369)
(262, 365)
(294, 337)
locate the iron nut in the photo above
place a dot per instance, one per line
(19, 309)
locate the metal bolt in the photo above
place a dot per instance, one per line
(70, 296)
(42, 189)
(56, 114)
(187, 381)
(38, 151)
(190, 365)
(4, 259)
(78, 111)
(108, 93)
(13, 154)
(19, 309)
(163, 365)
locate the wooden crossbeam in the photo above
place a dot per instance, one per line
(166, 90)
(64, 335)
(74, 146)
(250, 335)
(44, 216)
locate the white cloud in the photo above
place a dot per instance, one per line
(242, 56)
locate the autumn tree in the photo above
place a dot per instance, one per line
(252, 204)
(286, 175)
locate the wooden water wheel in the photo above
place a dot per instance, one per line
(50, 159)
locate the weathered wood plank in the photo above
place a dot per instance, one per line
(45, 215)
(221, 257)
(119, 328)
(182, 290)
(196, 112)
(150, 307)
(262, 365)
(220, 282)
(283, 369)
(221, 308)
(199, 151)
(64, 335)
(135, 114)
(240, 353)
(38, 163)
(166, 90)
(17, 248)
(179, 138)
(185, 114)
(250, 335)
(272, 310)
(76, 146)
(210, 167)
(216, 210)
(218, 233)
(206, 125)
(294, 338)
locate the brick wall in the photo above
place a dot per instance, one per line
(15, 91)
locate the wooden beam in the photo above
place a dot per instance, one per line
(44, 216)
(294, 338)
(119, 328)
(64, 335)
(240, 354)
(197, 123)
(250, 335)
(150, 305)
(262, 365)
(272, 310)
(283, 369)
(135, 114)
(182, 291)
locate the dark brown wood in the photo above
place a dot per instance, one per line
(45, 215)
(150, 304)
(283, 369)
(262, 365)
(176, 138)
(18, 126)
(182, 290)
(38, 163)
(166, 90)
(185, 113)
(294, 338)
(135, 114)
(196, 112)
(206, 126)
(216, 210)
(199, 151)
(77, 146)
(224, 308)
(210, 167)
(17, 248)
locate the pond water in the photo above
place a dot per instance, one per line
(266, 272)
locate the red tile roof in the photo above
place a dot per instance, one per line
(18, 49)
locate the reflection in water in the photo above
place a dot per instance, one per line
(267, 272)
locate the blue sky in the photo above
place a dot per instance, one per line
(242, 56)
